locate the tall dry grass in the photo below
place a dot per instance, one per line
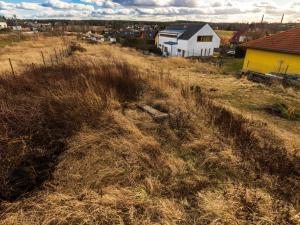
(206, 164)
(44, 106)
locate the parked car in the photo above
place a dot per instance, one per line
(231, 53)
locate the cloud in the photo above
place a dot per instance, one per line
(29, 6)
(208, 10)
(58, 4)
(6, 6)
(103, 3)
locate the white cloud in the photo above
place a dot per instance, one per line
(103, 3)
(58, 4)
(29, 6)
(6, 6)
(209, 10)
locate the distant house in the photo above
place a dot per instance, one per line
(149, 34)
(16, 28)
(128, 33)
(279, 53)
(188, 40)
(79, 28)
(112, 40)
(239, 37)
(249, 33)
(3, 25)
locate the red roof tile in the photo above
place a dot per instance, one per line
(286, 42)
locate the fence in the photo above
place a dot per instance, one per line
(47, 60)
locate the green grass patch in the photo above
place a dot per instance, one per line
(232, 65)
(12, 39)
(5, 42)
(283, 110)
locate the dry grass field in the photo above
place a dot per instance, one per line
(86, 153)
(28, 51)
(247, 97)
(225, 35)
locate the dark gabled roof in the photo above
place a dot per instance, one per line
(189, 29)
(286, 42)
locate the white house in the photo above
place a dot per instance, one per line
(16, 28)
(188, 40)
(3, 25)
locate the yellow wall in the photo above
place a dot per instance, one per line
(267, 61)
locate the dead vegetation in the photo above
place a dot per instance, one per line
(45, 106)
(206, 164)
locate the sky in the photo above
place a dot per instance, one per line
(155, 10)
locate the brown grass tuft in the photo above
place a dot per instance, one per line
(46, 105)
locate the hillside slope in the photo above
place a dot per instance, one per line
(205, 164)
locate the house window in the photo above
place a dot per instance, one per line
(205, 38)
(168, 35)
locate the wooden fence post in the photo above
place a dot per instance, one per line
(51, 60)
(56, 55)
(43, 58)
(12, 68)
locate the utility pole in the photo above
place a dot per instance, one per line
(262, 19)
(17, 27)
(282, 18)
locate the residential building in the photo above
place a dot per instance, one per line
(3, 25)
(239, 37)
(249, 33)
(79, 28)
(149, 34)
(16, 28)
(188, 40)
(278, 53)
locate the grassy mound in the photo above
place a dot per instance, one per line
(205, 164)
(43, 107)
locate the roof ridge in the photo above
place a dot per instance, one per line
(272, 35)
(287, 42)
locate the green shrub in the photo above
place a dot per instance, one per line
(283, 110)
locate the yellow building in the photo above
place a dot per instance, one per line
(279, 53)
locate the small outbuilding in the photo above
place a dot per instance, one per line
(278, 53)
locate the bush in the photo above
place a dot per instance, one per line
(240, 52)
(76, 47)
(141, 44)
(284, 111)
(155, 50)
